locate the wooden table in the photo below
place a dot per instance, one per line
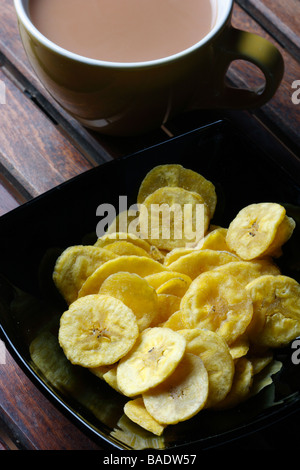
(42, 146)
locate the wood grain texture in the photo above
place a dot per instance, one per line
(33, 421)
(32, 150)
(7, 200)
(42, 146)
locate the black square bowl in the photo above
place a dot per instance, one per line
(33, 235)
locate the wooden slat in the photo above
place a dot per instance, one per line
(7, 200)
(30, 416)
(280, 19)
(33, 152)
(41, 146)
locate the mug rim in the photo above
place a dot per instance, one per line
(27, 23)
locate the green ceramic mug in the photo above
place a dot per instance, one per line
(132, 98)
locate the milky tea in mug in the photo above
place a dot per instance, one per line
(124, 30)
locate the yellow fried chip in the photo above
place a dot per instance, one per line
(153, 358)
(182, 395)
(101, 370)
(124, 248)
(219, 303)
(214, 240)
(141, 265)
(260, 362)
(167, 305)
(176, 286)
(97, 330)
(172, 217)
(200, 261)
(113, 237)
(245, 271)
(276, 305)
(75, 265)
(175, 321)
(241, 386)
(176, 253)
(136, 411)
(135, 292)
(256, 231)
(240, 346)
(176, 175)
(157, 279)
(110, 377)
(216, 357)
(283, 234)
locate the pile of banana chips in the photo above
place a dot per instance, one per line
(179, 327)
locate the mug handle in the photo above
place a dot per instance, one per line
(243, 45)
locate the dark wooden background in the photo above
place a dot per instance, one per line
(42, 146)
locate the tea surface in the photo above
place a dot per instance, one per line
(123, 30)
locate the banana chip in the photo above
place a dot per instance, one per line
(176, 286)
(214, 240)
(136, 411)
(113, 237)
(200, 261)
(241, 386)
(245, 271)
(173, 217)
(240, 347)
(176, 175)
(260, 362)
(141, 265)
(259, 230)
(216, 357)
(276, 304)
(135, 292)
(167, 305)
(218, 302)
(176, 253)
(101, 370)
(124, 248)
(97, 330)
(182, 395)
(158, 279)
(283, 234)
(110, 378)
(75, 265)
(175, 321)
(153, 358)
